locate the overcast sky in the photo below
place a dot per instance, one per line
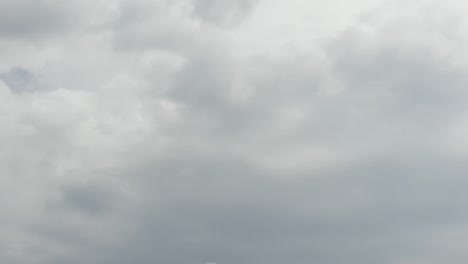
(233, 132)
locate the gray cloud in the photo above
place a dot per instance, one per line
(163, 142)
(20, 80)
(88, 199)
(226, 13)
(32, 19)
(153, 25)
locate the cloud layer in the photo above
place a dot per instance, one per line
(237, 131)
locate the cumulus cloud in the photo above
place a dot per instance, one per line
(171, 132)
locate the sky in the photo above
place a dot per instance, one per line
(233, 132)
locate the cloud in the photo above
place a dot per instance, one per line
(33, 19)
(147, 135)
(224, 13)
(20, 80)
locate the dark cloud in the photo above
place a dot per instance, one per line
(219, 209)
(17, 79)
(225, 13)
(21, 80)
(87, 199)
(33, 19)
